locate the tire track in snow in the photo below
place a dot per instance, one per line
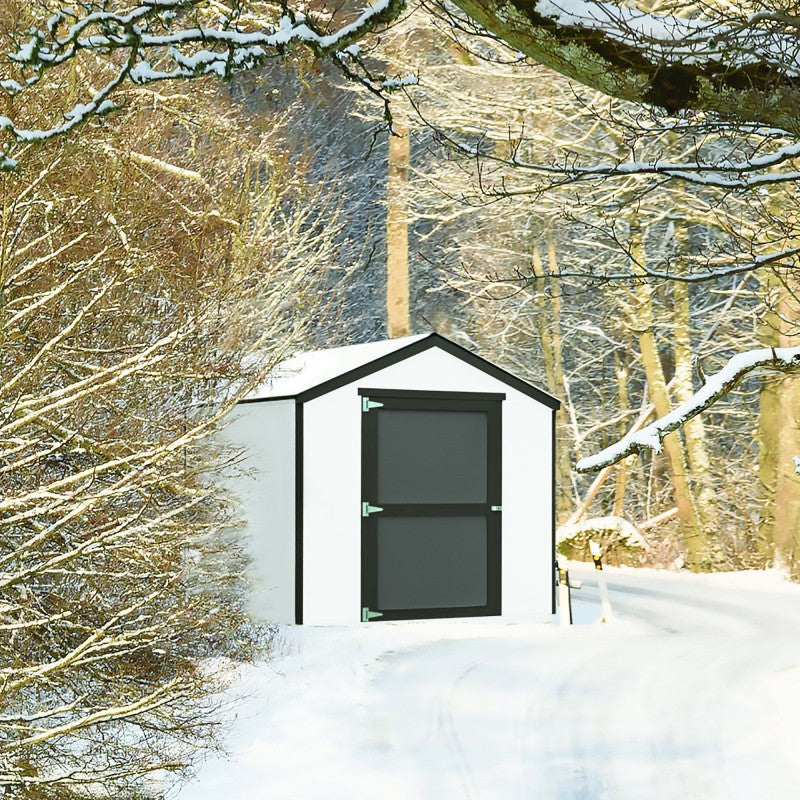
(449, 732)
(702, 608)
(693, 694)
(705, 686)
(671, 708)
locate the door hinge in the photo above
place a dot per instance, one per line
(367, 404)
(367, 509)
(367, 615)
(497, 508)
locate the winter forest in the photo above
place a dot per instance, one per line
(600, 197)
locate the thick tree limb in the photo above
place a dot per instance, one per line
(745, 70)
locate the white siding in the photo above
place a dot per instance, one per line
(265, 489)
(332, 480)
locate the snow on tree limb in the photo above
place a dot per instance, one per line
(158, 40)
(618, 529)
(782, 359)
(740, 67)
(710, 272)
(723, 173)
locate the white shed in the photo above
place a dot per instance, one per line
(402, 479)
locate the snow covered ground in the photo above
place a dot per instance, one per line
(692, 692)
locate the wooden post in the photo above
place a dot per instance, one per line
(397, 281)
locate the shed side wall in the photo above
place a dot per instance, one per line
(332, 480)
(264, 486)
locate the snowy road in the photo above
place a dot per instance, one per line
(693, 692)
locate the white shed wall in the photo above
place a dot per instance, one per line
(264, 486)
(332, 488)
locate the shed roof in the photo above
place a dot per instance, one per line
(308, 375)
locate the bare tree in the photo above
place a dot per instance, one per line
(709, 97)
(139, 265)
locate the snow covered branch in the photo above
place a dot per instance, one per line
(725, 173)
(709, 271)
(744, 68)
(782, 359)
(159, 40)
(120, 569)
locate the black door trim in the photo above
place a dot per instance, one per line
(413, 394)
(443, 401)
(298, 514)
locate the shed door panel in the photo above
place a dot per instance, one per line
(431, 456)
(431, 562)
(432, 466)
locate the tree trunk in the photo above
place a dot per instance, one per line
(397, 281)
(769, 427)
(786, 423)
(694, 430)
(691, 525)
(549, 329)
(622, 469)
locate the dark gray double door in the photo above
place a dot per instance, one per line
(431, 495)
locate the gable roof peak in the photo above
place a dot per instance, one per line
(315, 372)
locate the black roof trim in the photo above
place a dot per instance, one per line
(414, 394)
(265, 399)
(402, 353)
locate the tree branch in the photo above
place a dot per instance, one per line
(744, 69)
(782, 359)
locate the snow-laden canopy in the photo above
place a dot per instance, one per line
(740, 66)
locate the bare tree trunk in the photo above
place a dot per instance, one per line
(622, 469)
(694, 430)
(397, 281)
(549, 325)
(602, 476)
(768, 437)
(785, 423)
(691, 525)
(769, 425)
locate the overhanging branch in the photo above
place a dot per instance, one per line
(782, 359)
(745, 69)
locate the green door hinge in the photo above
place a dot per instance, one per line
(367, 615)
(367, 404)
(367, 509)
(497, 508)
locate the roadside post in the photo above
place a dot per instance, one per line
(564, 599)
(564, 593)
(605, 602)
